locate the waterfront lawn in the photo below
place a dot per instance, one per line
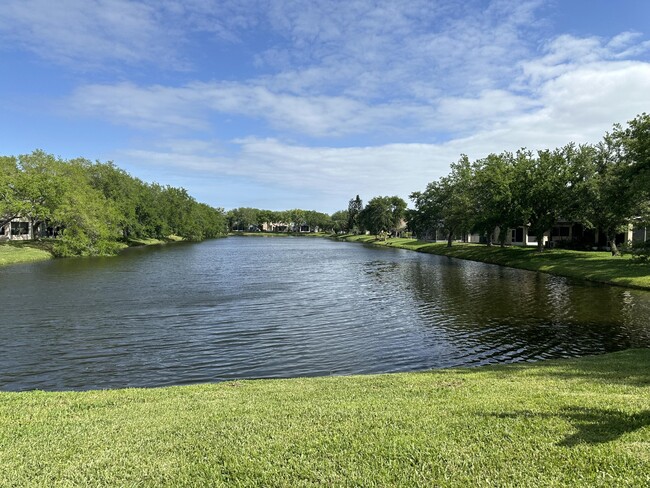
(152, 241)
(594, 266)
(13, 252)
(580, 422)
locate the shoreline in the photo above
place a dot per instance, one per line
(24, 252)
(593, 266)
(566, 422)
(598, 267)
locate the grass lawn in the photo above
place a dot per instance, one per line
(593, 266)
(15, 252)
(579, 422)
(152, 241)
(12, 252)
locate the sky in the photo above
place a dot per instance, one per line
(281, 104)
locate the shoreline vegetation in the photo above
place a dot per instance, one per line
(82, 208)
(594, 266)
(22, 252)
(568, 422)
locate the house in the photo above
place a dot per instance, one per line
(565, 233)
(23, 229)
(16, 229)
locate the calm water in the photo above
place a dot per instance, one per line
(280, 307)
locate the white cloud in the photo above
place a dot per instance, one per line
(328, 174)
(564, 86)
(358, 48)
(384, 49)
(87, 32)
(565, 53)
(579, 105)
(459, 76)
(190, 107)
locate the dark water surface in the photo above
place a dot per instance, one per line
(281, 307)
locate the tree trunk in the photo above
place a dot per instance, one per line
(502, 237)
(540, 243)
(612, 246)
(449, 238)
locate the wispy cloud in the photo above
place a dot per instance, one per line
(578, 105)
(189, 107)
(555, 83)
(565, 53)
(384, 49)
(335, 172)
(87, 32)
(336, 95)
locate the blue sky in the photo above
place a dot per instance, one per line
(285, 104)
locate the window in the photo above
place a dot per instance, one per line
(19, 228)
(560, 231)
(517, 235)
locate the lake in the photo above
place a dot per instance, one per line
(254, 307)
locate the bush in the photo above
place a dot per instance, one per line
(640, 251)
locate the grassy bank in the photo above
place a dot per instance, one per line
(13, 252)
(152, 242)
(16, 252)
(593, 266)
(581, 422)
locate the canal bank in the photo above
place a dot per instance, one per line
(578, 422)
(600, 267)
(17, 252)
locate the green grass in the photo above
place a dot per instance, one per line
(152, 241)
(593, 266)
(14, 252)
(580, 422)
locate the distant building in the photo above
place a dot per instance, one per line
(23, 229)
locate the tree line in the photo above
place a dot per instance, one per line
(91, 206)
(602, 186)
(295, 220)
(381, 214)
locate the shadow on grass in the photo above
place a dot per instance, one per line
(592, 425)
(630, 367)
(596, 425)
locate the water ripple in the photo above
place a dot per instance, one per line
(266, 308)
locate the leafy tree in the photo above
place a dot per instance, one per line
(340, 221)
(633, 147)
(607, 200)
(264, 217)
(38, 186)
(88, 219)
(492, 187)
(316, 219)
(123, 190)
(295, 219)
(543, 191)
(9, 202)
(383, 214)
(243, 218)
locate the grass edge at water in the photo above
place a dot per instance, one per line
(577, 422)
(594, 266)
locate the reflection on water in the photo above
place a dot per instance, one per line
(253, 307)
